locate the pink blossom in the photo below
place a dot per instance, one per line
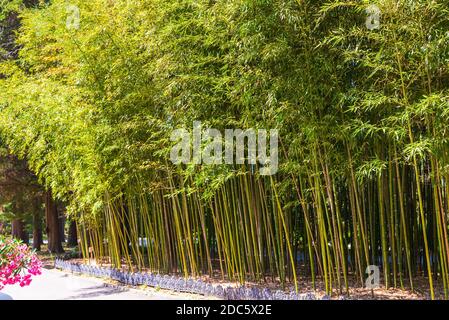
(17, 263)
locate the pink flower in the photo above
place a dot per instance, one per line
(17, 263)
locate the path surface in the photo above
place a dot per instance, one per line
(58, 285)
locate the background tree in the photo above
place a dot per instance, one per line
(20, 198)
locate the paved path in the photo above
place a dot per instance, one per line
(58, 285)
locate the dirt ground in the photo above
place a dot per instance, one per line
(356, 291)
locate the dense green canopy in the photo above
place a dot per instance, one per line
(362, 116)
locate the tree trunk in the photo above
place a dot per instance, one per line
(37, 227)
(53, 228)
(62, 227)
(72, 240)
(18, 230)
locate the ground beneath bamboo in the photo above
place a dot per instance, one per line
(356, 291)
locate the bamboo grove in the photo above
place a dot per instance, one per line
(362, 117)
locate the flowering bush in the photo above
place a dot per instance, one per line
(17, 263)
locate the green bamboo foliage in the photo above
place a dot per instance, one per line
(362, 116)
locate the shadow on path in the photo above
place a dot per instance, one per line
(5, 296)
(96, 291)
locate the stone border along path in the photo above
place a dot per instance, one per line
(179, 284)
(54, 284)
